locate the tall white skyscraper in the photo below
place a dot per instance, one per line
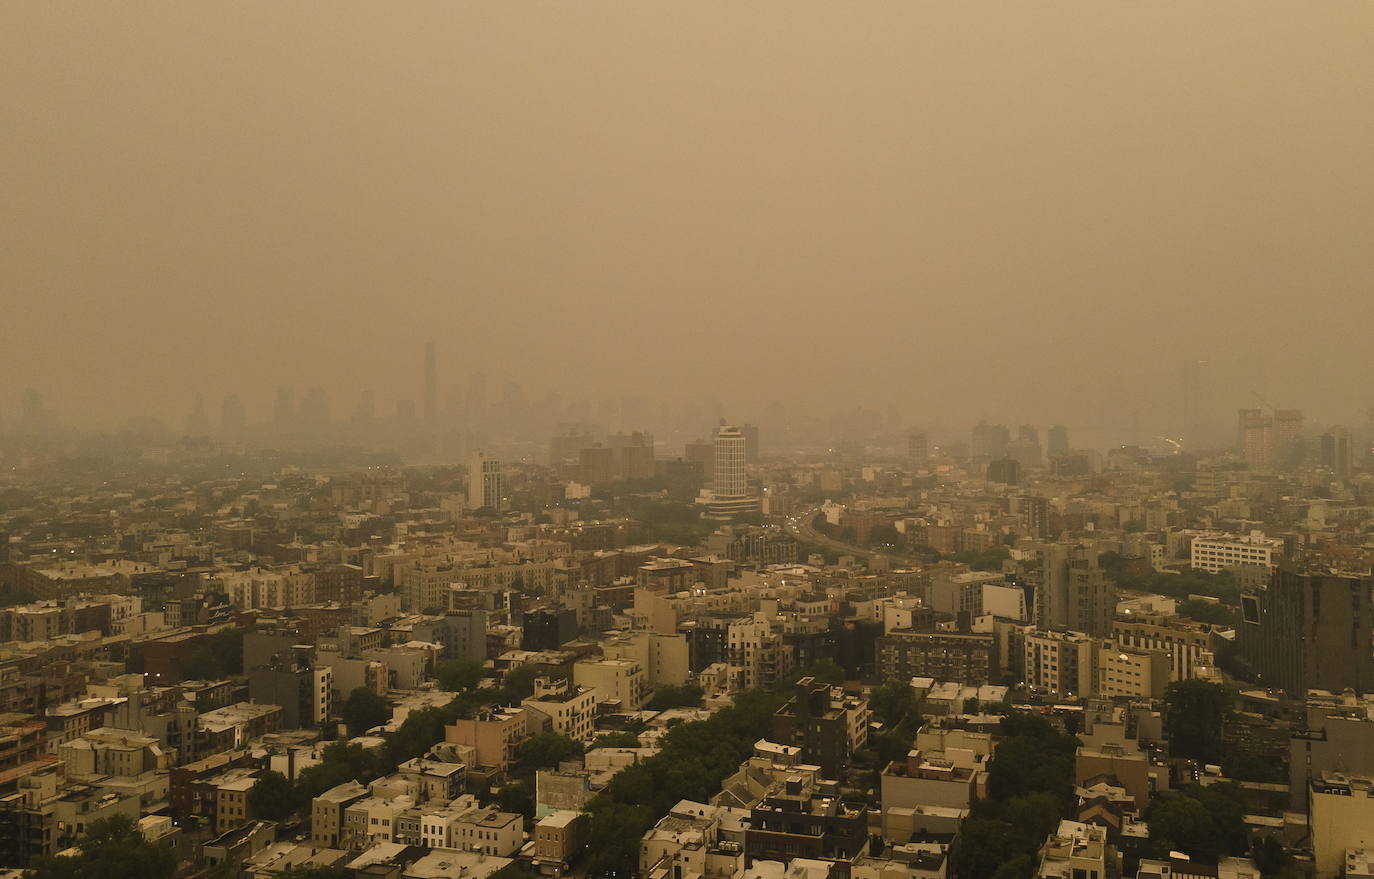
(486, 483)
(730, 491)
(731, 463)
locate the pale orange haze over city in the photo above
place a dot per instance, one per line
(1020, 211)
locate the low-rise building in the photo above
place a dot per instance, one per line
(556, 841)
(965, 658)
(1131, 672)
(495, 733)
(1342, 819)
(1076, 851)
(563, 707)
(327, 813)
(621, 681)
(824, 723)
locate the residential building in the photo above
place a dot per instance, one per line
(1060, 663)
(486, 483)
(495, 733)
(556, 838)
(1076, 851)
(563, 707)
(1309, 629)
(621, 681)
(1131, 672)
(797, 820)
(1342, 819)
(1216, 553)
(965, 658)
(824, 724)
(327, 813)
(1186, 643)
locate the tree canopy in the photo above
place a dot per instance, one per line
(364, 709)
(685, 696)
(456, 675)
(546, 751)
(113, 848)
(1205, 823)
(273, 798)
(989, 559)
(1030, 787)
(695, 758)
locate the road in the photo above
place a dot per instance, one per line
(799, 526)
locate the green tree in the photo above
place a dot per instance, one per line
(1019, 867)
(616, 740)
(1271, 857)
(1226, 803)
(685, 696)
(984, 844)
(341, 762)
(989, 559)
(517, 796)
(891, 701)
(420, 731)
(457, 675)
(364, 709)
(694, 759)
(1195, 711)
(884, 536)
(1033, 757)
(546, 751)
(518, 683)
(113, 848)
(1181, 823)
(273, 798)
(1208, 612)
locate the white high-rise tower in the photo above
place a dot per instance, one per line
(730, 491)
(486, 483)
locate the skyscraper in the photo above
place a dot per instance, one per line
(917, 448)
(486, 482)
(284, 409)
(1287, 438)
(1058, 441)
(314, 412)
(1006, 471)
(704, 453)
(198, 423)
(1248, 420)
(989, 443)
(1255, 439)
(431, 386)
(1025, 449)
(232, 418)
(730, 488)
(1337, 452)
(751, 443)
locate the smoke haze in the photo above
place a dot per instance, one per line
(1018, 211)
